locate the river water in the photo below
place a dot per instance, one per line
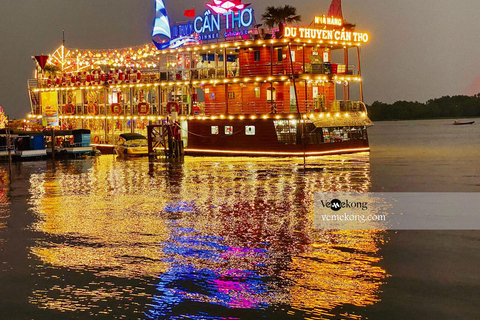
(233, 238)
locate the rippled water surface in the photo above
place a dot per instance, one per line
(232, 238)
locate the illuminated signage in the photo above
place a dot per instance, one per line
(49, 109)
(178, 35)
(324, 34)
(328, 21)
(182, 30)
(225, 6)
(208, 26)
(233, 15)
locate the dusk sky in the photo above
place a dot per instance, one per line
(419, 50)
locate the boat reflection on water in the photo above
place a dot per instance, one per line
(4, 199)
(204, 239)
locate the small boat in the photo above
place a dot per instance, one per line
(132, 145)
(70, 143)
(462, 122)
(29, 146)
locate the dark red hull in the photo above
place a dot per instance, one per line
(265, 142)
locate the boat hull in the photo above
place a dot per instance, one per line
(460, 123)
(264, 142)
(131, 152)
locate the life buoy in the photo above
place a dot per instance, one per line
(136, 76)
(116, 108)
(69, 109)
(94, 78)
(92, 109)
(96, 139)
(143, 108)
(172, 105)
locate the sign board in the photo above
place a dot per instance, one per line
(325, 34)
(49, 109)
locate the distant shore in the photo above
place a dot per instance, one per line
(441, 118)
(455, 107)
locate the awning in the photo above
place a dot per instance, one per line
(344, 119)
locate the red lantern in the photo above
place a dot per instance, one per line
(92, 109)
(143, 108)
(69, 109)
(173, 106)
(116, 108)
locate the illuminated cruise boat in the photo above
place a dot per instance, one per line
(226, 85)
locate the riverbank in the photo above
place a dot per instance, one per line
(455, 107)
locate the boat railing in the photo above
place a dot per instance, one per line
(282, 107)
(348, 105)
(103, 109)
(68, 144)
(329, 68)
(254, 69)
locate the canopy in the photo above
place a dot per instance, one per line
(132, 136)
(355, 119)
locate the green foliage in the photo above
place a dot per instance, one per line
(277, 16)
(444, 107)
(51, 70)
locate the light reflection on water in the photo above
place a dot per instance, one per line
(209, 238)
(4, 199)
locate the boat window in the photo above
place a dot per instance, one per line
(331, 135)
(231, 95)
(250, 130)
(286, 131)
(228, 130)
(257, 56)
(271, 93)
(257, 92)
(214, 129)
(137, 143)
(279, 54)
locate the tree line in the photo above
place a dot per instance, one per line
(444, 107)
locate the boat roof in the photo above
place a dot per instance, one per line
(132, 136)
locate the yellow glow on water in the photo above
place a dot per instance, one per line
(118, 219)
(342, 271)
(4, 199)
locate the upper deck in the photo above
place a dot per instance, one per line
(244, 72)
(232, 62)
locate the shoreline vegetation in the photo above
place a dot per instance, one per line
(446, 107)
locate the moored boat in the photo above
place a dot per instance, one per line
(29, 146)
(132, 145)
(221, 84)
(69, 143)
(462, 122)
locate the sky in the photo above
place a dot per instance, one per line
(418, 50)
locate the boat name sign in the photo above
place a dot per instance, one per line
(324, 34)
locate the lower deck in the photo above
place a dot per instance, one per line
(267, 137)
